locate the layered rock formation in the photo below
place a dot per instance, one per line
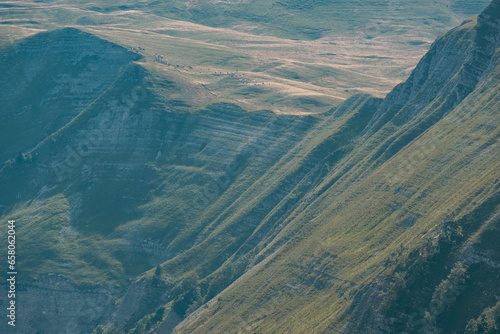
(378, 216)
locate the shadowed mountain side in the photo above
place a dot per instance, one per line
(47, 79)
(115, 182)
(402, 217)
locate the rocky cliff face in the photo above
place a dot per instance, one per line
(48, 79)
(59, 306)
(110, 179)
(394, 238)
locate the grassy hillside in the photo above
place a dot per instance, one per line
(394, 231)
(290, 18)
(286, 56)
(137, 189)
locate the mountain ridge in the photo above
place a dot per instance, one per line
(198, 324)
(223, 220)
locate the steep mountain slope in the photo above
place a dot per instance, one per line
(254, 221)
(398, 237)
(110, 182)
(55, 83)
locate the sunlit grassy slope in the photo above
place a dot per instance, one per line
(289, 19)
(291, 57)
(418, 196)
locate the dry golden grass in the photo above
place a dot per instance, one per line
(323, 72)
